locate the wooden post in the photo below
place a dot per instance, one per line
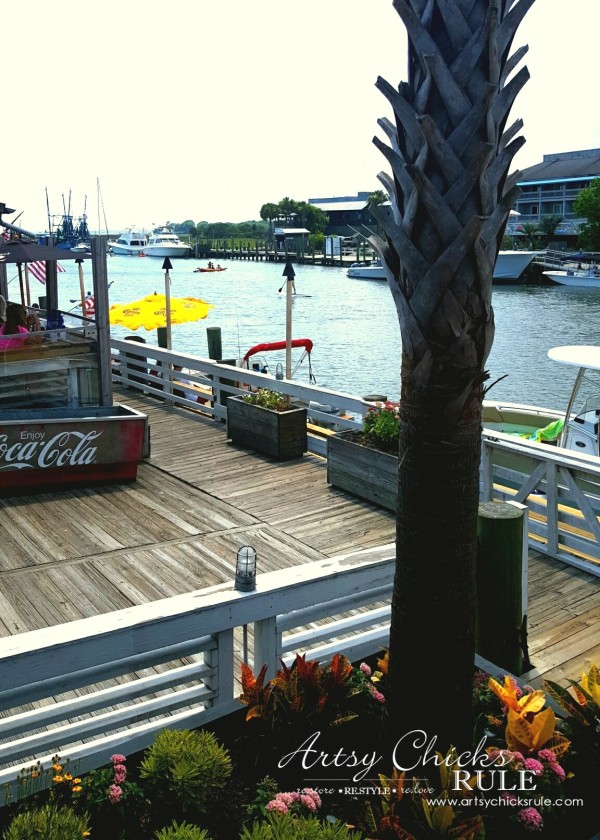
(213, 337)
(499, 585)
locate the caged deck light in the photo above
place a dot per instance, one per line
(245, 569)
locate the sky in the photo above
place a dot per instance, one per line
(208, 109)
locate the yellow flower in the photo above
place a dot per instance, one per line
(68, 777)
(76, 788)
(57, 767)
(57, 779)
(34, 774)
(77, 781)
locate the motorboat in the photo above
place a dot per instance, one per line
(131, 242)
(573, 428)
(581, 271)
(582, 279)
(162, 242)
(367, 270)
(509, 266)
(215, 268)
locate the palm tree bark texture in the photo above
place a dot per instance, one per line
(450, 195)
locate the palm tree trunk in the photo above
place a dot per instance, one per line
(450, 197)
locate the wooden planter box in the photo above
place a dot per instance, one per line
(280, 434)
(48, 447)
(364, 472)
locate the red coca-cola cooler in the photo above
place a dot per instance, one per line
(45, 447)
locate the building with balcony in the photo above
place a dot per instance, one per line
(550, 188)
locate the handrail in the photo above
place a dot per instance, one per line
(42, 672)
(560, 487)
(149, 369)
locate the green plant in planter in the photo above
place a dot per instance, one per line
(269, 399)
(50, 822)
(380, 426)
(182, 831)
(280, 826)
(185, 770)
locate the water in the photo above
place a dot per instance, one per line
(352, 322)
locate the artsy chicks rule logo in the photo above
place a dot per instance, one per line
(413, 753)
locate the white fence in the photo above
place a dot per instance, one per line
(88, 688)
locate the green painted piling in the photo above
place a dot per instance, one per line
(499, 585)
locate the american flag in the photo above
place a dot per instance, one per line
(38, 269)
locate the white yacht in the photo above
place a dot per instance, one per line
(164, 243)
(508, 268)
(131, 241)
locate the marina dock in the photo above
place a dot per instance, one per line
(78, 553)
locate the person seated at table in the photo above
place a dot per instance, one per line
(14, 333)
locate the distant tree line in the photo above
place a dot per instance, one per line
(286, 213)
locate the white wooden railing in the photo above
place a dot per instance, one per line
(561, 489)
(173, 662)
(149, 369)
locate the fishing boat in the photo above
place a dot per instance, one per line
(509, 267)
(69, 233)
(162, 242)
(131, 242)
(581, 271)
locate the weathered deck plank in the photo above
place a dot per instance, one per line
(78, 553)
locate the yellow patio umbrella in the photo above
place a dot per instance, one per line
(151, 311)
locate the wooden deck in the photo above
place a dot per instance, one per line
(78, 553)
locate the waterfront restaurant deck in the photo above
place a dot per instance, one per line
(77, 553)
(158, 555)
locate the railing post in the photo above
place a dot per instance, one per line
(220, 660)
(267, 646)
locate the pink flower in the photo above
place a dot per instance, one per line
(287, 798)
(365, 669)
(531, 819)
(556, 768)
(308, 802)
(115, 793)
(277, 805)
(117, 758)
(547, 755)
(314, 796)
(377, 695)
(120, 773)
(535, 766)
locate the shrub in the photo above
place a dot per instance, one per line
(269, 399)
(279, 826)
(185, 769)
(50, 822)
(182, 831)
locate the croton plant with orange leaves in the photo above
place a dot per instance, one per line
(307, 691)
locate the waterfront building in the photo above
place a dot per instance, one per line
(347, 214)
(550, 188)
